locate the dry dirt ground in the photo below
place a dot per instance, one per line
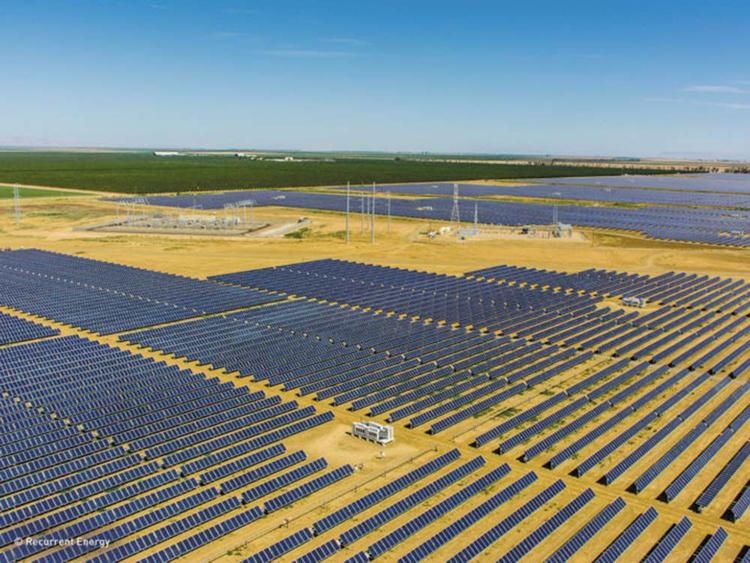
(51, 224)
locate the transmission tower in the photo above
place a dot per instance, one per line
(554, 215)
(455, 213)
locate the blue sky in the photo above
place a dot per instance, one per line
(656, 78)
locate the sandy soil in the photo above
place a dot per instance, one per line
(51, 224)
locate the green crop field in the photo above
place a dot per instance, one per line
(7, 192)
(140, 172)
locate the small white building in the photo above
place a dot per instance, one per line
(562, 230)
(166, 153)
(373, 432)
(634, 301)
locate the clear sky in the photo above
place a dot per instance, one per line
(647, 78)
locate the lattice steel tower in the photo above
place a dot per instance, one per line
(455, 213)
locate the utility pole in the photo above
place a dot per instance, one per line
(17, 205)
(372, 216)
(389, 211)
(476, 216)
(348, 189)
(362, 215)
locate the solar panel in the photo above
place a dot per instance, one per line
(363, 503)
(281, 548)
(488, 538)
(668, 541)
(320, 553)
(707, 551)
(440, 510)
(307, 488)
(550, 525)
(627, 537)
(720, 481)
(588, 531)
(373, 522)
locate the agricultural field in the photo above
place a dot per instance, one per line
(6, 192)
(143, 173)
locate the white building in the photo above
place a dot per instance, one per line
(373, 432)
(634, 301)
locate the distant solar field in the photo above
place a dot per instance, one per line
(711, 226)
(729, 183)
(581, 193)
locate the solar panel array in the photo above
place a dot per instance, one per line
(583, 192)
(708, 225)
(14, 330)
(714, 183)
(83, 423)
(108, 298)
(158, 461)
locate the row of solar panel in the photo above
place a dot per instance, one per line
(691, 225)
(109, 298)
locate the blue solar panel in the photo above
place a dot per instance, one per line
(589, 530)
(307, 488)
(720, 481)
(491, 536)
(373, 522)
(668, 542)
(283, 480)
(281, 548)
(658, 221)
(107, 297)
(350, 510)
(627, 537)
(706, 552)
(440, 510)
(550, 525)
(320, 553)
